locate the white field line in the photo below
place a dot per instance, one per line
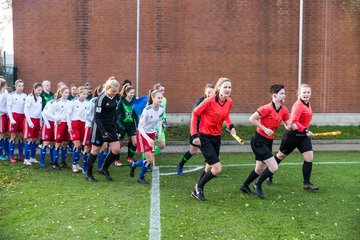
(194, 168)
(155, 224)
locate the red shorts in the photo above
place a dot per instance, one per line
(32, 132)
(4, 123)
(47, 134)
(19, 125)
(86, 140)
(78, 128)
(61, 132)
(142, 143)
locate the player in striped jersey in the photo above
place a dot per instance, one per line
(151, 118)
(76, 118)
(58, 112)
(15, 109)
(32, 126)
(3, 118)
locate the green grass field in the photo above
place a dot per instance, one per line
(46, 204)
(181, 133)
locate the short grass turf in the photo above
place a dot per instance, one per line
(46, 204)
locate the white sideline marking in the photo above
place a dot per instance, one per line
(198, 167)
(155, 229)
(185, 171)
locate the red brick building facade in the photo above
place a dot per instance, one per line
(186, 44)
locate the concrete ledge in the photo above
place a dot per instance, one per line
(319, 119)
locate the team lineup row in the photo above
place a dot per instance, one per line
(102, 122)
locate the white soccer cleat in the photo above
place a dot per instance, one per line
(75, 169)
(78, 167)
(27, 162)
(33, 160)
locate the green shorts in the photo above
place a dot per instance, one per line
(129, 129)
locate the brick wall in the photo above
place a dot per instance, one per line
(186, 44)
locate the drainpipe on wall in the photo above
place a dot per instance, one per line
(137, 47)
(300, 42)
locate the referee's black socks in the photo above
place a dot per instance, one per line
(252, 176)
(265, 174)
(207, 177)
(307, 168)
(185, 158)
(277, 160)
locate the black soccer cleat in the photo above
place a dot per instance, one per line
(258, 191)
(310, 186)
(269, 180)
(55, 166)
(198, 193)
(106, 174)
(132, 171)
(142, 181)
(245, 189)
(90, 178)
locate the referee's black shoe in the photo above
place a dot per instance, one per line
(106, 174)
(269, 180)
(245, 189)
(258, 191)
(90, 178)
(310, 186)
(198, 193)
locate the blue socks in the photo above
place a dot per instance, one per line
(21, 148)
(6, 146)
(27, 150)
(11, 149)
(101, 158)
(144, 169)
(33, 150)
(55, 155)
(75, 156)
(42, 156)
(137, 164)
(2, 146)
(63, 154)
(84, 161)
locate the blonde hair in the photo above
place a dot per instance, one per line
(303, 85)
(152, 94)
(219, 83)
(110, 83)
(60, 91)
(2, 84)
(82, 88)
(157, 86)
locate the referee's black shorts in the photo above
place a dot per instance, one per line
(261, 146)
(210, 148)
(96, 136)
(295, 139)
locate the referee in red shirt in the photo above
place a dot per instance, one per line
(214, 111)
(267, 119)
(299, 136)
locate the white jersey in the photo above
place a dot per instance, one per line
(76, 111)
(58, 110)
(16, 102)
(3, 102)
(150, 118)
(48, 117)
(32, 108)
(90, 111)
